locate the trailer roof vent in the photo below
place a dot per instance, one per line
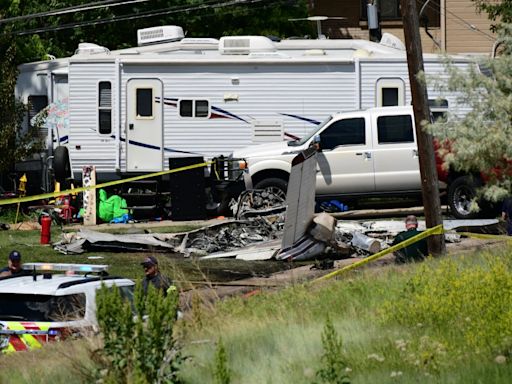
(392, 41)
(90, 49)
(154, 35)
(314, 52)
(243, 45)
(199, 41)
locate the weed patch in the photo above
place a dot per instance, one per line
(457, 301)
(333, 369)
(137, 347)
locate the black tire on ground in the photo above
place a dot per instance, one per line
(61, 165)
(275, 184)
(461, 192)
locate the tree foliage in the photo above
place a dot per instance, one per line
(14, 145)
(116, 27)
(480, 141)
(496, 10)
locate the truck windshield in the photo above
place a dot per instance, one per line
(42, 307)
(303, 140)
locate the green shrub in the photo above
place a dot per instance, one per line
(471, 302)
(138, 343)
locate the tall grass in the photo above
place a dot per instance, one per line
(429, 322)
(445, 320)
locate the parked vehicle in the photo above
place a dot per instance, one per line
(129, 111)
(41, 306)
(361, 154)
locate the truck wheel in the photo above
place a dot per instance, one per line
(274, 185)
(61, 164)
(460, 195)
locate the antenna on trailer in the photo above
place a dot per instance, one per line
(319, 20)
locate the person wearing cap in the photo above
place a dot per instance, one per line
(14, 265)
(413, 252)
(154, 276)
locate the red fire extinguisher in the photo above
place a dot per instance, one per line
(46, 223)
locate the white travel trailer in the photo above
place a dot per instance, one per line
(129, 111)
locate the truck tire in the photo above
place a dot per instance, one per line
(61, 165)
(460, 194)
(275, 185)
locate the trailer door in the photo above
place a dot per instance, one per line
(144, 125)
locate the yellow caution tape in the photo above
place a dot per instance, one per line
(102, 185)
(485, 236)
(437, 230)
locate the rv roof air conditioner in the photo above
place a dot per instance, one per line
(244, 45)
(90, 49)
(154, 35)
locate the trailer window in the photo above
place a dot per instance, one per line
(105, 107)
(395, 129)
(390, 92)
(343, 132)
(186, 108)
(144, 102)
(194, 108)
(201, 108)
(389, 97)
(438, 108)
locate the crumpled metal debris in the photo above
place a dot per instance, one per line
(232, 235)
(215, 238)
(258, 202)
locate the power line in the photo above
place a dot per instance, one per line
(78, 8)
(139, 15)
(460, 21)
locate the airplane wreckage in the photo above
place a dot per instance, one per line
(287, 231)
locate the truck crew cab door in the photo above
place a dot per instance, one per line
(345, 162)
(395, 152)
(144, 125)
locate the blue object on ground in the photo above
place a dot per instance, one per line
(121, 219)
(333, 206)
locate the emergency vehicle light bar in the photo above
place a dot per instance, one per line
(97, 268)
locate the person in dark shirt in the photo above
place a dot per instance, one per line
(154, 276)
(414, 252)
(14, 265)
(506, 214)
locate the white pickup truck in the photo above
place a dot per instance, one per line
(362, 154)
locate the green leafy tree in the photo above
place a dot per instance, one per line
(480, 141)
(14, 144)
(115, 27)
(496, 10)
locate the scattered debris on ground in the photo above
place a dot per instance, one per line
(263, 231)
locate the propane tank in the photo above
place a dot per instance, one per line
(46, 223)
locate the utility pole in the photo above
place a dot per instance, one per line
(426, 153)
